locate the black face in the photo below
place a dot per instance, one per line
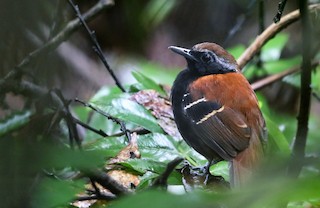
(205, 62)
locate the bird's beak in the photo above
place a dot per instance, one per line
(183, 52)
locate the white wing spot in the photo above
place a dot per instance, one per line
(206, 117)
(194, 103)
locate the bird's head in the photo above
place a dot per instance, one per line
(208, 58)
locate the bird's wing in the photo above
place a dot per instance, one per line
(218, 126)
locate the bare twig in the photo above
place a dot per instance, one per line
(116, 120)
(109, 183)
(96, 46)
(273, 78)
(72, 126)
(139, 131)
(315, 95)
(281, 6)
(102, 196)
(269, 33)
(305, 95)
(99, 132)
(64, 34)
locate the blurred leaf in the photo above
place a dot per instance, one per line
(276, 137)
(148, 83)
(106, 93)
(163, 75)
(272, 50)
(293, 79)
(56, 193)
(273, 67)
(64, 157)
(236, 51)
(156, 11)
(160, 199)
(13, 122)
(221, 169)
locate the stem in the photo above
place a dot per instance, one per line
(304, 109)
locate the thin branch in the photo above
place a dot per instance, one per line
(102, 196)
(305, 95)
(96, 46)
(99, 132)
(109, 183)
(315, 95)
(95, 197)
(163, 178)
(272, 78)
(139, 131)
(73, 131)
(261, 28)
(108, 116)
(281, 7)
(275, 77)
(269, 33)
(64, 34)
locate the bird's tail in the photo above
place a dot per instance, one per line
(245, 163)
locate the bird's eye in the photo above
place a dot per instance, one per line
(206, 58)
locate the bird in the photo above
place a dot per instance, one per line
(217, 112)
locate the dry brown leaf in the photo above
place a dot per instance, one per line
(160, 108)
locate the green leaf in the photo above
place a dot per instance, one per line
(14, 121)
(272, 50)
(108, 147)
(130, 111)
(107, 93)
(156, 11)
(158, 147)
(221, 169)
(65, 157)
(144, 165)
(164, 199)
(56, 193)
(276, 137)
(273, 67)
(148, 83)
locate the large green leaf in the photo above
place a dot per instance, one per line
(158, 147)
(164, 148)
(144, 165)
(129, 111)
(108, 146)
